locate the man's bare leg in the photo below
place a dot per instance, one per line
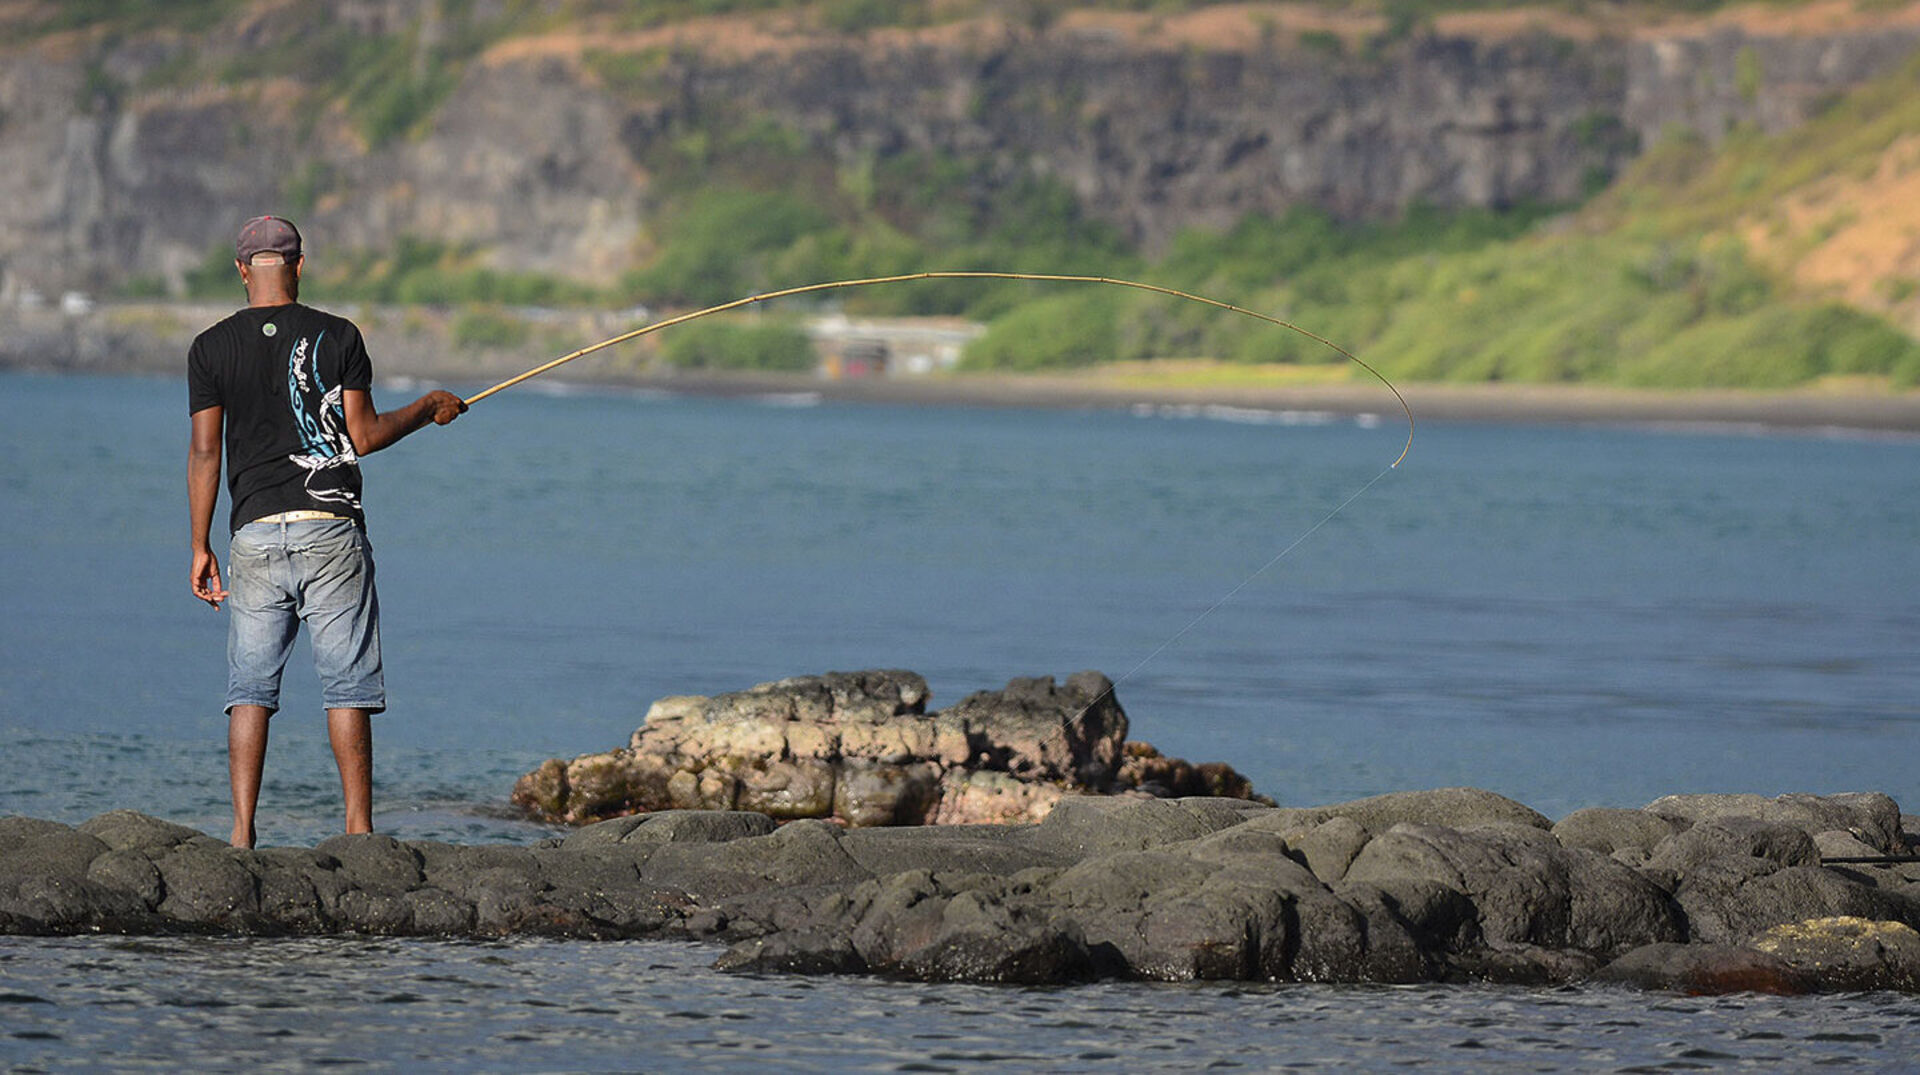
(246, 759)
(351, 733)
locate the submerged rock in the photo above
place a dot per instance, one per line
(861, 749)
(1448, 885)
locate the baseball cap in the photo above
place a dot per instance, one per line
(267, 235)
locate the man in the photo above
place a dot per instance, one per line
(286, 392)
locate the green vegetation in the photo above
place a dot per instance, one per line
(215, 277)
(126, 15)
(389, 84)
(426, 271)
(749, 206)
(1681, 186)
(855, 15)
(1079, 328)
(412, 272)
(304, 187)
(1449, 298)
(716, 247)
(758, 343)
(1645, 287)
(489, 328)
(1614, 310)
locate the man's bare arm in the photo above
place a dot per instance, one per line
(373, 430)
(203, 492)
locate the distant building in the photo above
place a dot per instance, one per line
(889, 347)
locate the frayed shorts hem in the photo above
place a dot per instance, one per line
(273, 705)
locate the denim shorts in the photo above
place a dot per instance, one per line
(320, 572)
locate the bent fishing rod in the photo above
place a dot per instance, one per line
(768, 296)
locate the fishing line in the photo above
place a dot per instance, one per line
(1231, 594)
(831, 285)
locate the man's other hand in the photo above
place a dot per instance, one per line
(206, 579)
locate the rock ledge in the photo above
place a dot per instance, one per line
(1692, 893)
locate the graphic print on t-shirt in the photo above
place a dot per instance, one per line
(326, 452)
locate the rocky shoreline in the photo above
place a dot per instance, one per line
(1697, 893)
(831, 824)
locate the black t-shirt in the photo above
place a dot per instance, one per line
(279, 371)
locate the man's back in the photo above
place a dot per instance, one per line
(280, 373)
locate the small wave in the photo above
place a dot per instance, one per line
(556, 389)
(1221, 412)
(789, 399)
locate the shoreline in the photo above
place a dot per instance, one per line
(151, 339)
(1809, 409)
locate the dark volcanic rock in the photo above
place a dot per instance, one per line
(969, 926)
(124, 830)
(670, 827)
(1091, 826)
(1331, 846)
(1458, 807)
(1848, 953)
(799, 854)
(1526, 887)
(48, 885)
(210, 887)
(1706, 969)
(1731, 900)
(375, 863)
(1870, 817)
(30, 847)
(1610, 829)
(1451, 885)
(1736, 837)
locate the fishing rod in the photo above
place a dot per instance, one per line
(831, 285)
(681, 319)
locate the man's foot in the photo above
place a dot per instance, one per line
(242, 837)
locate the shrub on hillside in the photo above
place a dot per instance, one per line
(767, 344)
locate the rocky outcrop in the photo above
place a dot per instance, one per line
(1448, 885)
(861, 748)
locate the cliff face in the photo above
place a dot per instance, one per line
(121, 166)
(1157, 136)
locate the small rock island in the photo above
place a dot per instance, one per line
(826, 848)
(860, 748)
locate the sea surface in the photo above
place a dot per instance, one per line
(1571, 616)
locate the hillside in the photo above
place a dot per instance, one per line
(1403, 176)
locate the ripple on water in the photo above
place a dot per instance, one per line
(76, 1003)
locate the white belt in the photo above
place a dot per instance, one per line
(299, 517)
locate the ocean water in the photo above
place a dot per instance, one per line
(1569, 616)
